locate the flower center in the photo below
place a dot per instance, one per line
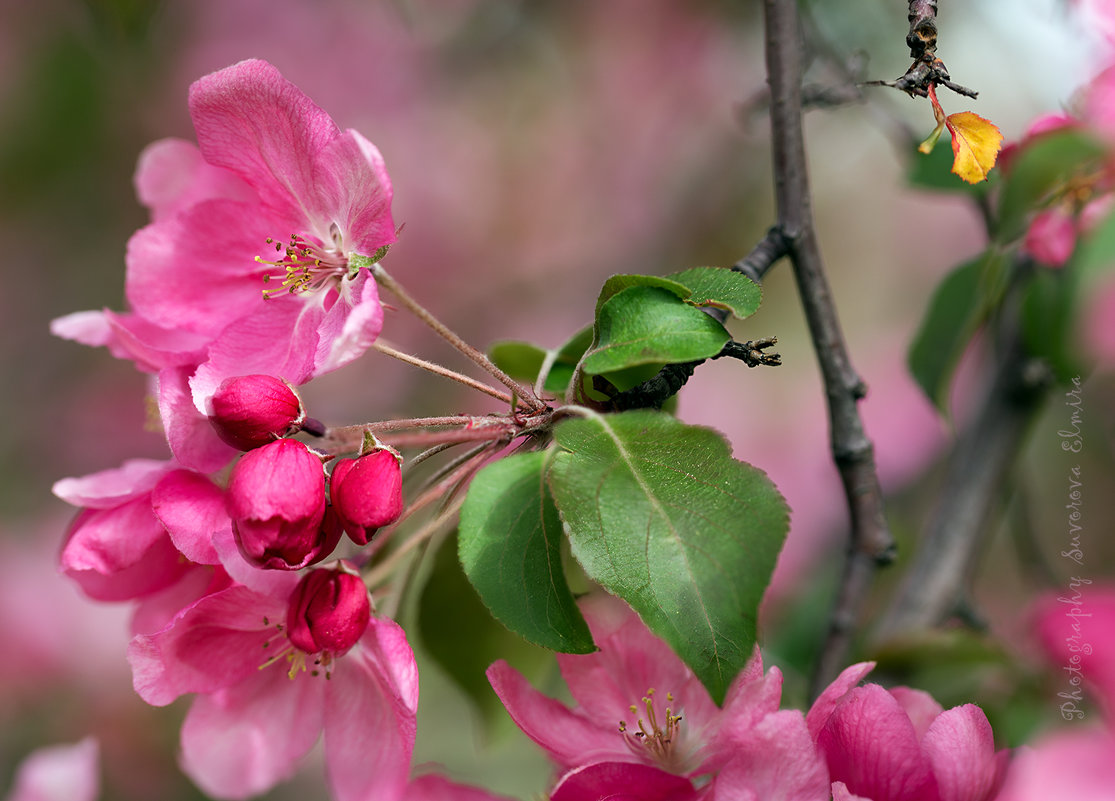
(652, 737)
(306, 266)
(278, 647)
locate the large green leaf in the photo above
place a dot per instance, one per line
(648, 325)
(1040, 168)
(510, 548)
(617, 283)
(958, 307)
(459, 633)
(721, 288)
(1049, 321)
(660, 514)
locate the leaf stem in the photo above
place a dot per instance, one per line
(525, 394)
(445, 372)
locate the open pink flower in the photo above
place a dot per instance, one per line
(898, 744)
(275, 192)
(643, 720)
(263, 702)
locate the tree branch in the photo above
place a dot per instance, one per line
(870, 540)
(979, 467)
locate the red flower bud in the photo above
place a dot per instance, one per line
(276, 499)
(329, 611)
(253, 410)
(367, 493)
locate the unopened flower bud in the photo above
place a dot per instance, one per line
(329, 611)
(367, 493)
(253, 410)
(276, 499)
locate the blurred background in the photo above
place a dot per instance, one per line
(535, 148)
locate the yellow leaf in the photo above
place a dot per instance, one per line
(975, 145)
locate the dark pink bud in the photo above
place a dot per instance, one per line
(252, 410)
(276, 499)
(367, 493)
(329, 611)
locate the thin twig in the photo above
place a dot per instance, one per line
(870, 539)
(525, 394)
(444, 372)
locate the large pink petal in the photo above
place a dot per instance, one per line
(192, 439)
(871, 746)
(778, 762)
(253, 121)
(961, 750)
(570, 738)
(197, 271)
(822, 708)
(172, 176)
(919, 706)
(121, 553)
(192, 508)
(370, 716)
(108, 488)
(59, 773)
(156, 611)
(840, 793)
(350, 326)
(213, 644)
(747, 704)
(352, 189)
(243, 740)
(621, 781)
(280, 338)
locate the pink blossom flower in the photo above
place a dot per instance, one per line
(270, 166)
(1076, 629)
(898, 744)
(59, 773)
(263, 702)
(1072, 765)
(116, 548)
(253, 410)
(645, 726)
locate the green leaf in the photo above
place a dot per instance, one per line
(645, 325)
(660, 514)
(617, 283)
(721, 288)
(1049, 321)
(958, 308)
(1095, 251)
(1037, 170)
(510, 549)
(525, 361)
(459, 633)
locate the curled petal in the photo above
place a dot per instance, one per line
(961, 750)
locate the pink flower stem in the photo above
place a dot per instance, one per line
(445, 372)
(525, 394)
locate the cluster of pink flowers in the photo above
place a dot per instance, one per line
(221, 563)
(644, 729)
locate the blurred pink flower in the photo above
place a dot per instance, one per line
(59, 773)
(899, 745)
(1076, 628)
(1075, 766)
(262, 702)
